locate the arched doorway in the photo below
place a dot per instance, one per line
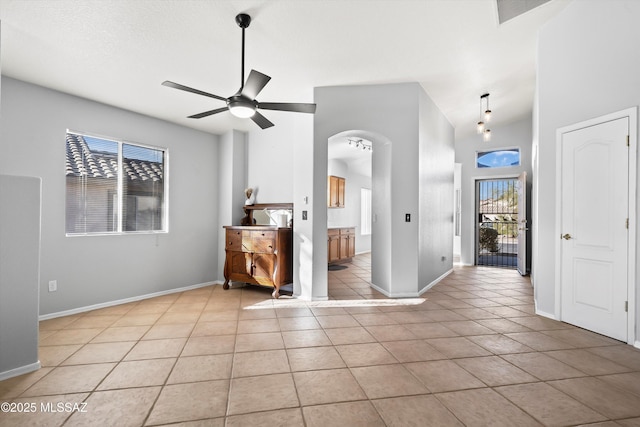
(366, 157)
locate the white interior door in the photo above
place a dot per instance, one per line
(594, 227)
(522, 223)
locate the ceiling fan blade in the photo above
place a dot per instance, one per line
(288, 106)
(208, 113)
(261, 120)
(254, 84)
(192, 90)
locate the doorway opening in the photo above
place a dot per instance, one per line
(497, 213)
(368, 169)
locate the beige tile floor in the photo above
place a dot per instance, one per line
(471, 351)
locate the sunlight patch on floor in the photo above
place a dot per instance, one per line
(282, 303)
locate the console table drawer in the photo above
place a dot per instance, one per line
(234, 240)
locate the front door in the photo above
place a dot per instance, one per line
(497, 231)
(522, 223)
(594, 227)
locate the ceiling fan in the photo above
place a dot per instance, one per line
(243, 103)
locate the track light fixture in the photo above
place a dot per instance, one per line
(360, 144)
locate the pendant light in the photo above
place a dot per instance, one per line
(481, 127)
(487, 112)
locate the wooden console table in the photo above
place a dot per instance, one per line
(259, 254)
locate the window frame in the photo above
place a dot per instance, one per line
(493, 150)
(120, 187)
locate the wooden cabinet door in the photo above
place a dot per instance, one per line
(351, 252)
(332, 191)
(344, 246)
(263, 268)
(334, 248)
(341, 191)
(335, 191)
(239, 266)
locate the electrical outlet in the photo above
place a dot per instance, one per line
(304, 215)
(53, 285)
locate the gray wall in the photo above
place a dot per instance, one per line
(99, 269)
(435, 176)
(511, 135)
(588, 66)
(400, 119)
(19, 274)
(232, 178)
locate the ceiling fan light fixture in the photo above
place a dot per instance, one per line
(241, 108)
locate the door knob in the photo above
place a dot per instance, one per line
(566, 236)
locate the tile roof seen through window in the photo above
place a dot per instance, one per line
(81, 161)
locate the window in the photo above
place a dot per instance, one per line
(114, 186)
(498, 158)
(365, 211)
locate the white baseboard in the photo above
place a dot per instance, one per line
(435, 282)
(19, 371)
(411, 294)
(545, 314)
(125, 300)
(394, 294)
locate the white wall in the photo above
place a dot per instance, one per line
(99, 269)
(588, 66)
(270, 159)
(280, 164)
(511, 135)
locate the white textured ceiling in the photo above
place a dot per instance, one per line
(119, 52)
